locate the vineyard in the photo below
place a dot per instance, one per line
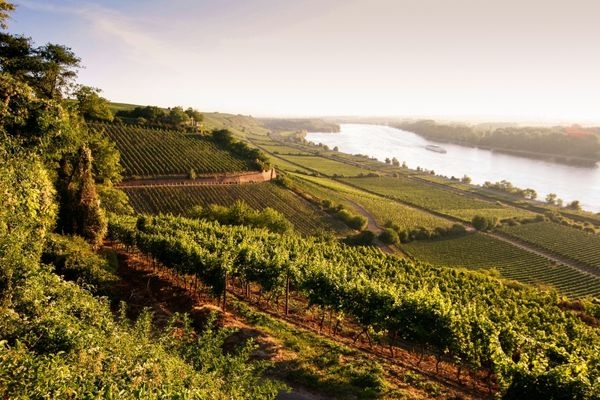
(561, 240)
(478, 251)
(147, 152)
(326, 166)
(430, 197)
(178, 200)
(382, 209)
(526, 343)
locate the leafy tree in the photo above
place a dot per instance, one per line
(482, 223)
(5, 9)
(195, 116)
(389, 236)
(80, 211)
(49, 69)
(363, 238)
(177, 117)
(107, 167)
(27, 213)
(114, 200)
(529, 194)
(91, 106)
(222, 137)
(57, 69)
(574, 205)
(551, 198)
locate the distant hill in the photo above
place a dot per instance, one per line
(301, 124)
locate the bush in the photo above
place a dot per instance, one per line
(364, 238)
(389, 236)
(483, 224)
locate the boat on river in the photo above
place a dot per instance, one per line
(436, 148)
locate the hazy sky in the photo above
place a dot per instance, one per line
(453, 58)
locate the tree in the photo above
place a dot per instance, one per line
(551, 198)
(91, 105)
(482, 223)
(16, 56)
(195, 116)
(114, 200)
(574, 205)
(177, 117)
(222, 137)
(80, 211)
(27, 214)
(5, 9)
(57, 69)
(389, 236)
(43, 124)
(529, 194)
(466, 179)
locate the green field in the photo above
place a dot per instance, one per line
(477, 251)
(147, 152)
(434, 198)
(381, 208)
(561, 240)
(282, 149)
(327, 166)
(178, 200)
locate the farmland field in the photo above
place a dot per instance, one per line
(155, 152)
(478, 251)
(562, 240)
(178, 200)
(327, 166)
(436, 199)
(381, 208)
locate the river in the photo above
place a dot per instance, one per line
(379, 141)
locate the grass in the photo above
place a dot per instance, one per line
(318, 363)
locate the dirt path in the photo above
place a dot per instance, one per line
(371, 224)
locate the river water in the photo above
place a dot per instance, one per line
(568, 182)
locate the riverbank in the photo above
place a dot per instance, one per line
(568, 182)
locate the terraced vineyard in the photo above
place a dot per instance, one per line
(147, 152)
(178, 200)
(433, 198)
(561, 240)
(477, 251)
